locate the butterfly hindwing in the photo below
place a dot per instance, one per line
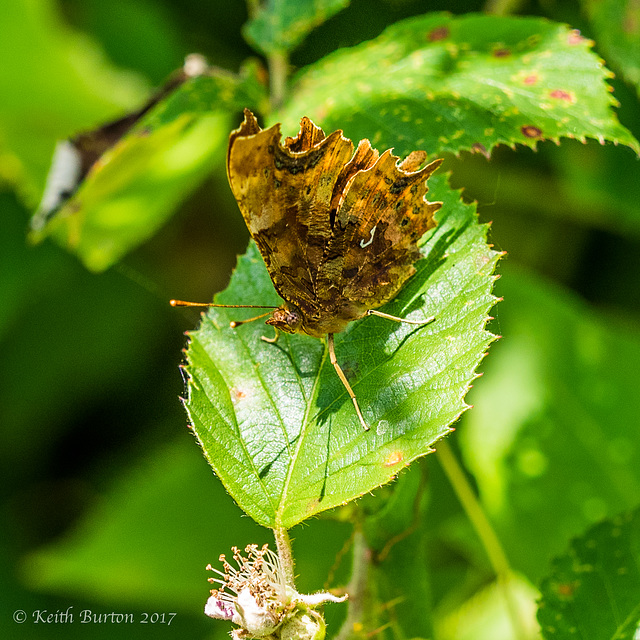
(382, 216)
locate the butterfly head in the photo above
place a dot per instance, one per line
(287, 318)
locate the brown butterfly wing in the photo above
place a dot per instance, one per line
(284, 193)
(381, 216)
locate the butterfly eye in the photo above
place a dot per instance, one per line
(286, 319)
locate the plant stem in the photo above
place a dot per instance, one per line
(483, 528)
(283, 545)
(357, 587)
(278, 69)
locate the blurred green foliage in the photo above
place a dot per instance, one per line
(600, 567)
(107, 502)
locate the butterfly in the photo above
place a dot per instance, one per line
(338, 230)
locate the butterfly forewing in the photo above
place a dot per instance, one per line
(285, 197)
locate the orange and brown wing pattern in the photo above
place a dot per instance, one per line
(381, 217)
(285, 193)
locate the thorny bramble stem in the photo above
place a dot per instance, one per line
(357, 586)
(285, 553)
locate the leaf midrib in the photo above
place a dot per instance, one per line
(258, 372)
(301, 438)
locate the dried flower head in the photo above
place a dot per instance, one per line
(256, 597)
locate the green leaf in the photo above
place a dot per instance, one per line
(593, 591)
(281, 25)
(487, 615)
(276, 423)
(597, 186)
(616, 25)
(137, 184)
(444, 83)
(553, 430)
(53, 81)
(393, 510)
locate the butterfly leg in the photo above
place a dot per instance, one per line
(343, 378)
(271, 340)
(236, 323)
(380, 314)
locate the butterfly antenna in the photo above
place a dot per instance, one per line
(183, 303)
(234, 323)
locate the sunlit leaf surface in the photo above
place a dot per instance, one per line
(445, 83)
(276, 423)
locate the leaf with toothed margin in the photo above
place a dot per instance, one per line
(274, 420)
(445, 83)
(593, 591)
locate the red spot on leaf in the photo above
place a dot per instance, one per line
(501, 52)
(566, 589)
(631, 21)
(560, 94)
(531, 132)
(393, 458)
(262, 75)
(531, 79)
(440, 33)
(238, 394)
(575, 38)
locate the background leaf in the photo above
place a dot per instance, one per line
(593, 590)
(398, 546)
(554, 429)
(275, 421)
(569, 188)
(280, 25)
(446, 83)
(170, 484)
(616, 25)
(137, 184)
(53, 82)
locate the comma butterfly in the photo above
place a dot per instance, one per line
(337, 230)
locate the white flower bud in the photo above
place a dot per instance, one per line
(304, 625)
(219, 609)
(257, 620)
(256, 597)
